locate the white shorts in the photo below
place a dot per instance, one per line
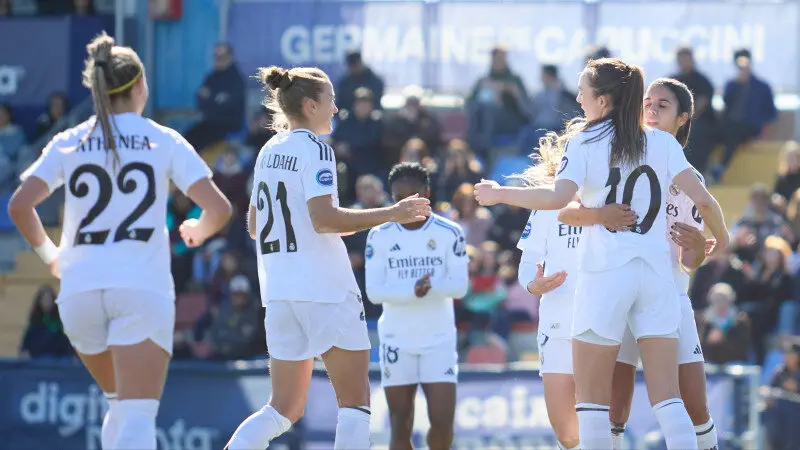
(633, 294)
(95, 320)
(402, 367)
(297, 331)
(689, 350)
(555, 355)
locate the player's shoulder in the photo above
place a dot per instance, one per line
(305, 144)
(383, 230)
(444, 225)
(164, 131)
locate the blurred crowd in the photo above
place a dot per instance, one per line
(747, 303)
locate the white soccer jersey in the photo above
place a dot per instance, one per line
(644, 187)
(114, 233)
(396, 258)
(555, 244)
(681, 209)
(295, 262)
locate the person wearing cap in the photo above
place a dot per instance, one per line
(358, 75)
(234, 331)
(749, 107)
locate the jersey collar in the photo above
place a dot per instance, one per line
(304, 130)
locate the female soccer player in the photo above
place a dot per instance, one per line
(117, 299)
(546, 239)
(668, 106)
(313, 306)
(624, 277)
(415, 271)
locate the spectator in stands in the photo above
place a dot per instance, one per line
(5, 8)
(234, 330)
(83, 8)
(486, 291)
(229, 267)
(783, 402)
(702, 137)
(520, 304)
(727, 269)
(497, 106)
(412, 120)
(554, 104)
(475, 220)
(53, 120)
(459, 166)
(44, 336)
(221, 101)
(206, 262)
(793, 218)
(759, 215)
(258, 130)
(767, 286)
(357, 139)
(12, 144)
(597, 52)
(725, 332)
(509, 221)
(358, 76)
(231, 178)
(749, 107)
(788, 180)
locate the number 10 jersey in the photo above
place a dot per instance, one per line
(114, 232)
(295, 263)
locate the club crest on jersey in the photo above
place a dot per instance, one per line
(325, 177)
(369, 251)
(674, 189)
(431, 245)
(564, 162)
(527, 231)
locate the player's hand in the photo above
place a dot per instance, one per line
(542, 284)
(487, 192)
(412, 209)
(688, 237)
(191, 233)
(618, 217)
(710, 243)
(422, 286)
(55, 270)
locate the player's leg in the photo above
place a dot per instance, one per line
(555, 367)
(140, 332)
(692, 379)
(400, 400)
(85, 324)
(622, 388)
(291, 365)
(602, 300)
(347, 363)
(438, 371)
(655, 321)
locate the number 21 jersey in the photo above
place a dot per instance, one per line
(295, 263)
(644, 187)
(114, 232)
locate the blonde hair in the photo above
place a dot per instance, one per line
(548, 159)
(790, 148)
(778, 243)
(287, 91)
(110, 72)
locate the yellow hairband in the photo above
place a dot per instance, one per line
(125, 86)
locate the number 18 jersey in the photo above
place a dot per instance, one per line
(644, 187)
(295, 263)
(114, 233)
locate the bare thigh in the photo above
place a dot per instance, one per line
(593, 367)
(101, 367)
(290, 381)
(349, 374)
(660, 362)
(692, 380)
(559, 397)
(140, 370)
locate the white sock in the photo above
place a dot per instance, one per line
(617, 435)
(137, 424)
(562, 447)
(676, 426)
(352, 429)
(707, 436)
(108, 433)
(593, 430)
(257, 430)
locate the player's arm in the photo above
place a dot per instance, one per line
(379, 289)
(706, 204)
(456, 280)
(216, 208)
(613, 216)
(534, 251)
(691, 245)
(251, 222)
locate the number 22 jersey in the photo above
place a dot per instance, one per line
(295, 263)
(114, 232)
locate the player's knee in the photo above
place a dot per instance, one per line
(292, 410)
(617, 412)
(402, 423)
(440, 434)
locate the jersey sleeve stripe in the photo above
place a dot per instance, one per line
(447, 227)
(328, 152)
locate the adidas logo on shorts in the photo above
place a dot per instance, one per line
(450, 371)
(698, 350)
(395, 248)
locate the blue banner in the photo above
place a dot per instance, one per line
(445, 45)
(58, 406)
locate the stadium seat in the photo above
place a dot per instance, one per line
(486, 354)
(189, 307)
